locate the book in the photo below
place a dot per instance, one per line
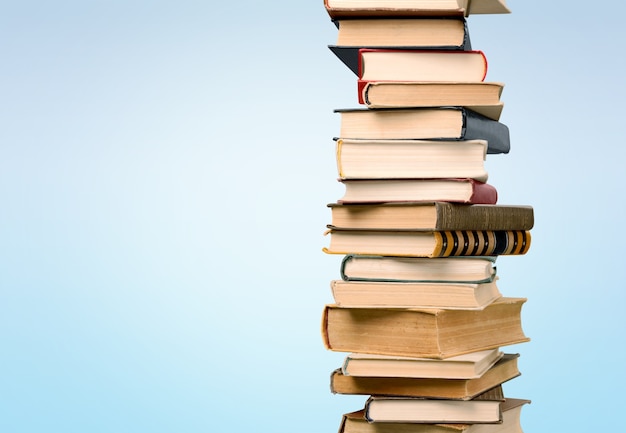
(372, 294)
(413, 243)
(484, 408)
(440, 388)
(469, 366)
(444, 123)
(469, 191)
(378, 64)
(431, 216)
(411, 159)
(482, 98)
(431, 32)
(426, 33)
(361, 8)
(423, 333)
(415, 269)
(355, 422)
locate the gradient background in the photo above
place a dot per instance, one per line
(164, 174)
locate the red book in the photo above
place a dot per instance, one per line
(380, 64)
(468, 191)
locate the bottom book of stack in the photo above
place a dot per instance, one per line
(510, 408)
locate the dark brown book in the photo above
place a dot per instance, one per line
(431, 216)
(423, 333)
(456, 389)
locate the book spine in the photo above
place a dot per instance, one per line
(477, 126)
(483, 193)
(451, 216)
(481, 243)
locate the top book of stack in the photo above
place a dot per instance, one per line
(363, 8)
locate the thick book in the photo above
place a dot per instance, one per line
(361, 8)
(418, 269)
(482, 98)
(440, 388)
(378, 64)
(372, 294)
(413, 243)
(442, 123)
(411, 159)
(484, 408)
(469, 191)
(355, 422)
(469, 366)
(423, 333)
(431, 216)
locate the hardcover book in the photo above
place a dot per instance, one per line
(372, 294)
(361, 8)
(417, 269)
(431, 216)
(482, 98)
(438, 388)
(407, 243)
(423, 333)
(469, 366)
(370, 191)
(484, 408)
(411, 159)
(432, 33)
(355, 422)
(442, 123)
(378, 64)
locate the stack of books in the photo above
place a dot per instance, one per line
(418, 310)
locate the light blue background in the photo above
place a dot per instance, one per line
(164, 174)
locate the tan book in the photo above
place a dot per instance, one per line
(381, 294)
(431, 216)
(423, 333)
(484, 408)
(483, 97)
(468, 366)
(417, 269)
(440, 388)
(411, 159)
(360, 8)
(355, 422)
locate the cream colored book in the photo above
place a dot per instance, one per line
(468, 366)
(360, 8)
(453, 296)
(411, 159)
